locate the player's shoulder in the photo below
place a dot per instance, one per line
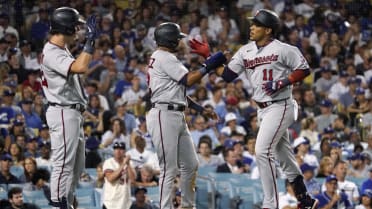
(163, 55)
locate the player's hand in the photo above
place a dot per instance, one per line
(214, 61)
(200, 48)
(273, 87)
(92, 31)
(208, 112)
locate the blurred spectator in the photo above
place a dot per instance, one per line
(16, 200)
(301, 147)
(330, 198)
(100, 180)
(92, 156)
(44, 136)
(133, 96)
(15, 67)
(231, 125)
(312, 185)
(325, 82)
(40, 29)
(118, 177)
(29, 168)
(325, 167)
(32, 148)
(326, 117)
(40, 182)
(366, 200)
(28, 58)
(5, 176)
(308, 130)
(336, 151)
(123, 113)
(5, 26)
(44, 160)
(91, 88)
(141, 33)
(16, 152)
(288, 199)
(139, 156)
(117, 133)
(205, 157)
(230, 165)
(177, 200)
(358, 168)
(32, 119)
(3, 50)
(142, 131)
(146, 177)
(202, 128)
(121, 57)
(141, 201)
(367, 184)
(340, 87)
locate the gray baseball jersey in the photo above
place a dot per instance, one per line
(64, 88)
(59, 85)
(166, 71)
(169, 131)
(272, 62)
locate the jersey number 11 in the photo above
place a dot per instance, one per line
(267, 74)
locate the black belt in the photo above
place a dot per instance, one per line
(78, 107)
(169, 106)
(266, 104)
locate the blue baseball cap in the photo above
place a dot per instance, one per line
(354, 80)
(328, 130)
(360, 91)
(335, 144)
(6, 157)
(326, 103)
(331, 178)
(300, 140)
(307, 167)
(367, 192)
(355, 156)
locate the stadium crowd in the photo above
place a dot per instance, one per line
(332, 138)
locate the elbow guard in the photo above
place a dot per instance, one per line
(228, 75)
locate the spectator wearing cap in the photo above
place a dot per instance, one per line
(44, 160)
(141, 200)
(91, 88)
(5, 26)
(32, 119)
(202, 128)
(117, 133)
(325, 82)
(301, 147)
(350, 188)
(367, 184)
(205, 156)
(326, 117)
(340, 87)
(44, 136)
(141, 130)
(5, 176)
(141, 33)
(330, 197)
(118, 178)
(312, 185)
(231, 125)
(125, 82)
(336, 150)
(8, 104)
(27, 58)
(366, 200)
(358, 168)
(32, 148)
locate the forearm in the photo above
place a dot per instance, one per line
(80, 65)
(192, 77)
(298, 75)
(131, 173)
(115, 175)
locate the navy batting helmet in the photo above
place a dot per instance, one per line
(168, 35)
(267, 18)
(64, 20)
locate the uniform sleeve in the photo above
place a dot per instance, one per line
(59, 61)
(236, 63)
(294, 59)
(174, 68)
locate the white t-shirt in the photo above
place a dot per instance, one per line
(116, 195)
(139, 159)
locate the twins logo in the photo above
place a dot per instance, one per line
(251, 64)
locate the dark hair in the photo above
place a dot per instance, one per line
(226, 152)
(14, 190)
(40, 174)
(206, 140)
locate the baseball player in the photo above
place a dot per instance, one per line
(63, 90)
(272, 67)
(167, 81)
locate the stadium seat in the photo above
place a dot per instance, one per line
(83, 184)
(36, 197)
(16, 185)
(204, 171)
(98, 196)
(17, 171)
(92, 172)
(225, 192)
(3, 193)
(85, 197)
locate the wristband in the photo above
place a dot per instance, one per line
(89, 46)
(203, 70)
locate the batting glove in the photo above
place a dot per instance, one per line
(200, 48)
(214, 61)
(91, 34)
(272, 87)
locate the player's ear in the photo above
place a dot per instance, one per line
(268, 31)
